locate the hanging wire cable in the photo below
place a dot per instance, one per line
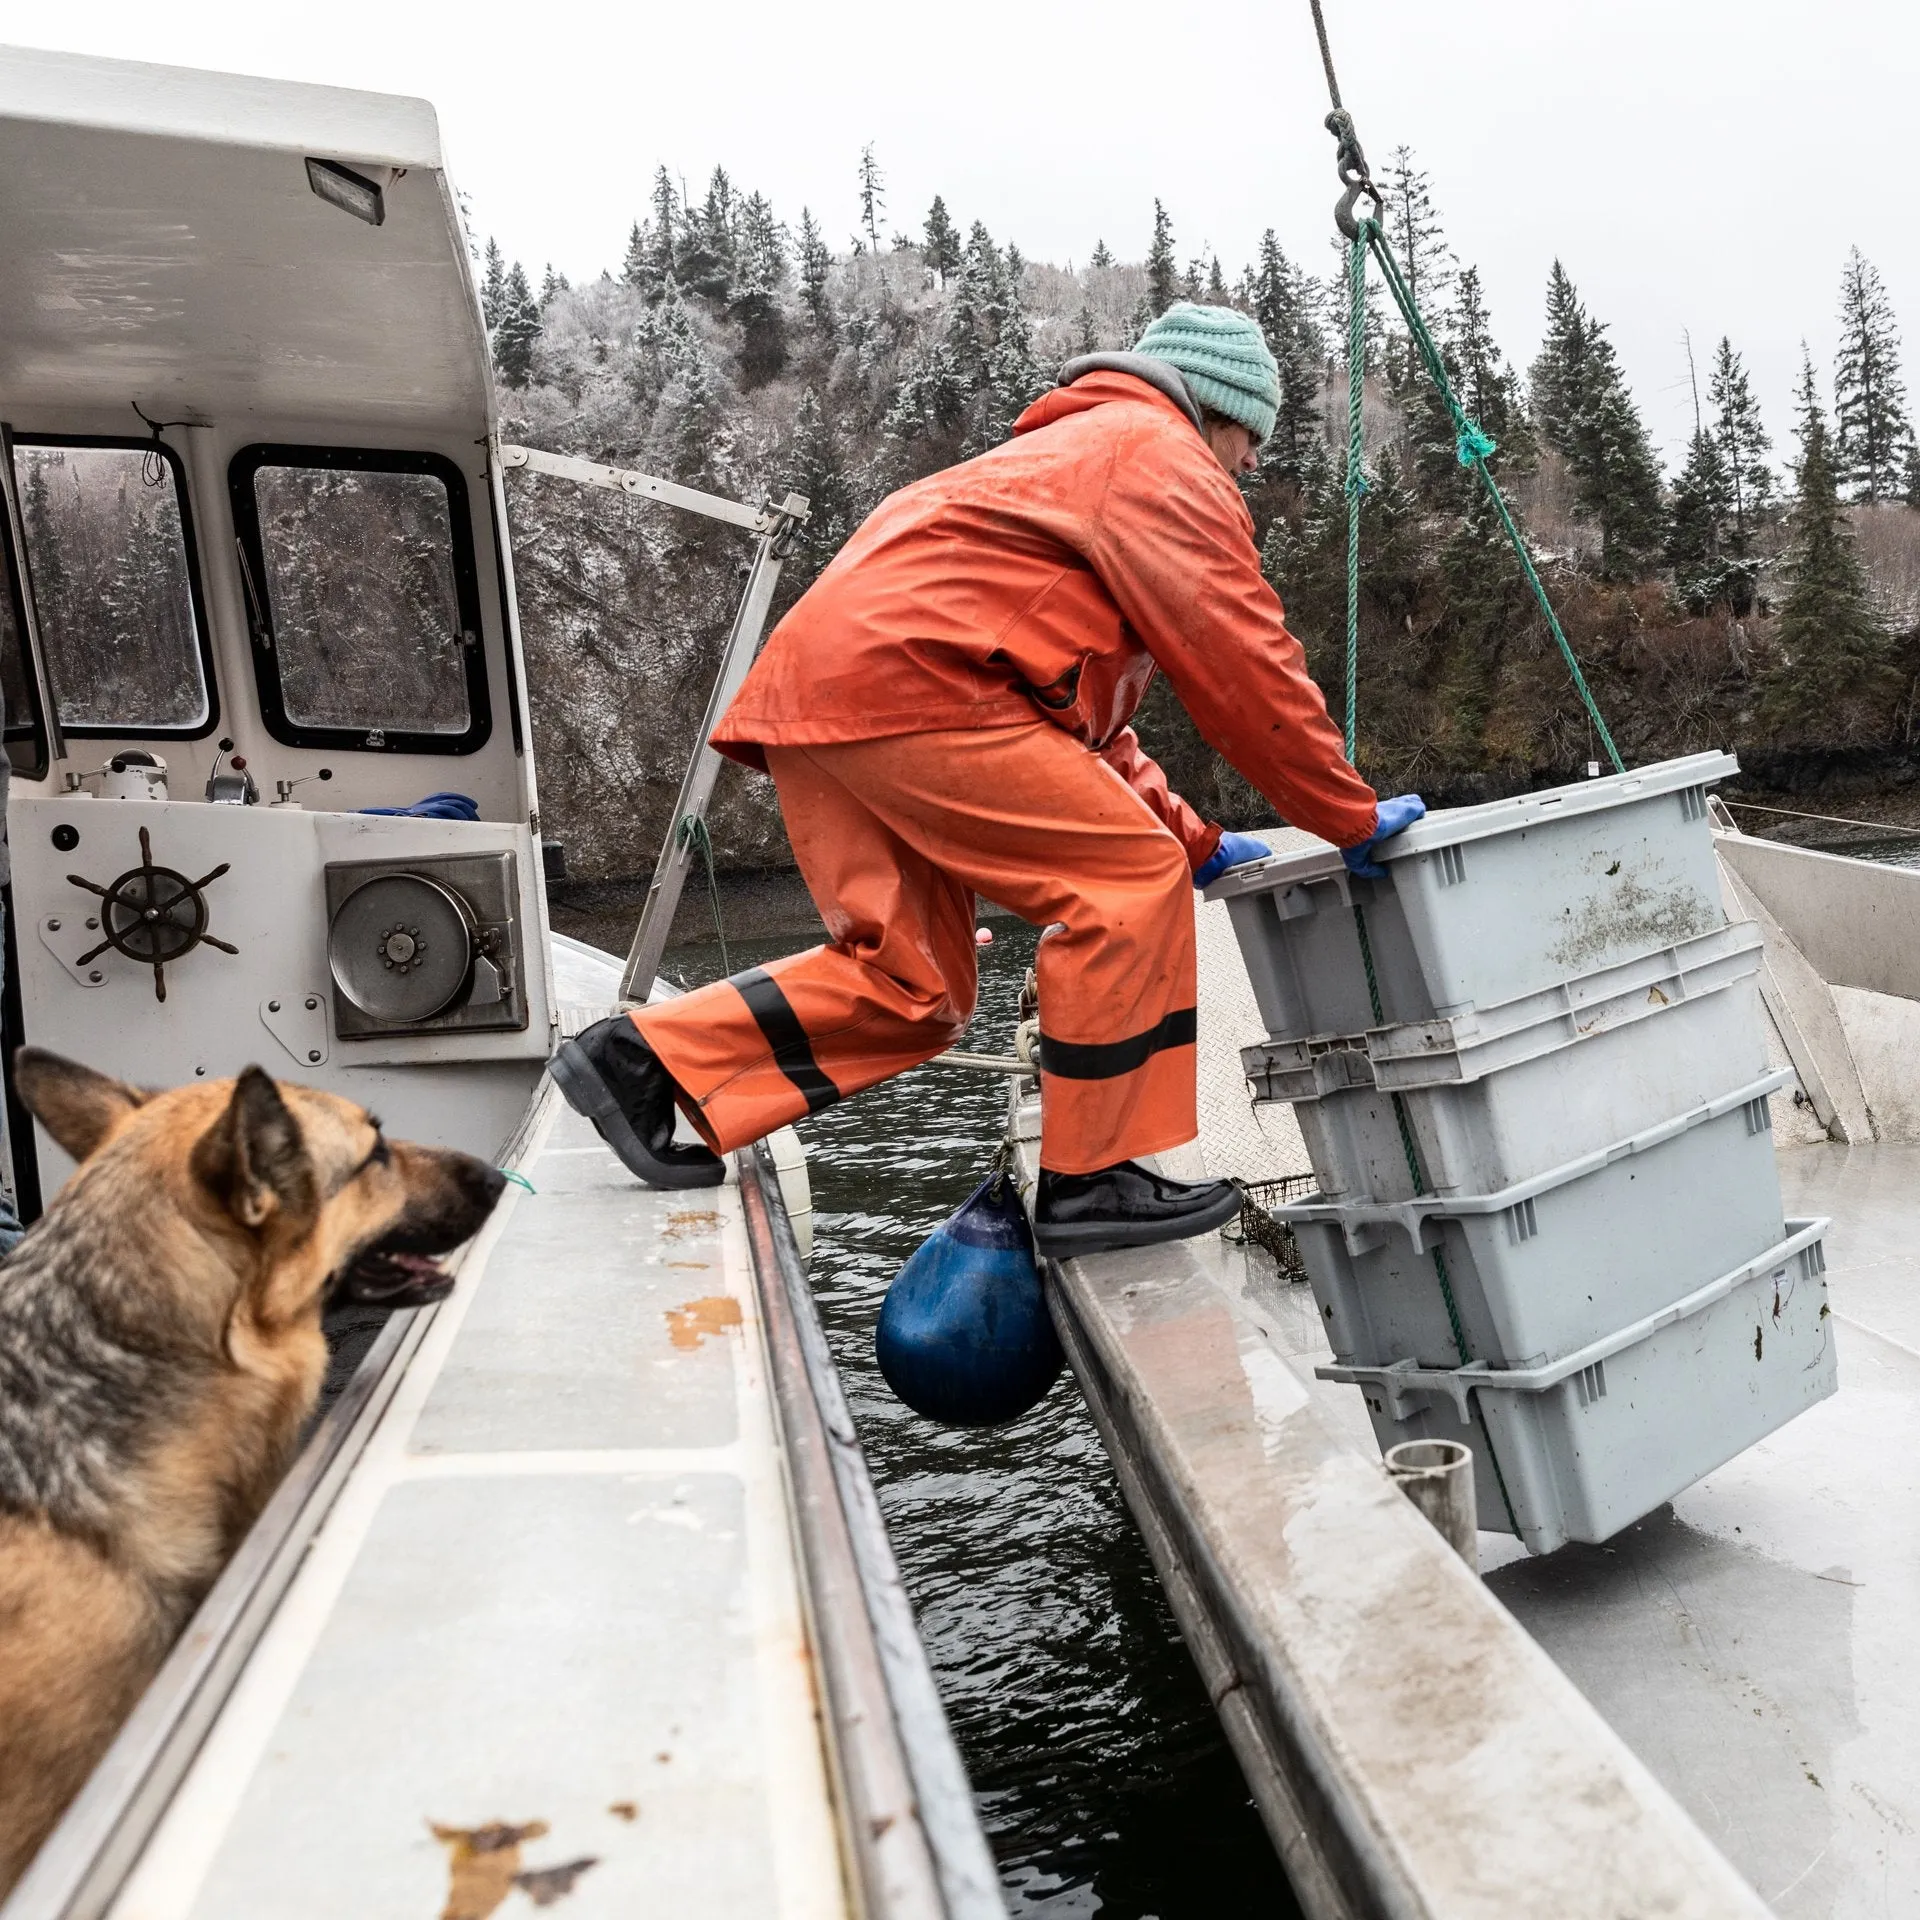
(153, 463)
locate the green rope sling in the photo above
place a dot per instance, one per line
(1471, 448)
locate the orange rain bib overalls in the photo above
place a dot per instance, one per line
(944, 713)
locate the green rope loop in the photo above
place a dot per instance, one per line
(1472, 447)
(1356, 472)
(693, 832)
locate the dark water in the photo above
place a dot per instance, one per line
(1106, 1783)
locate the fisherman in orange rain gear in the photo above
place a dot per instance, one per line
(944, 714)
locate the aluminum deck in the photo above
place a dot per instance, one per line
(599, 1576)
(1756, 1643)
(579, 1598)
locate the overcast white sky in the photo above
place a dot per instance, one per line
(1698, 164)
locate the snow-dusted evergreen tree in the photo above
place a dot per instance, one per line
(816, 268)
(873, 197)
(517, 332)
(1872, 430)
(1586, 412)
(1702, 501)
(816, 466)
(1553, 376)
(1834, 672)
(1276, 298)
(649, 263)
(1419, 242)
(1487, 386)
(1086, 329)
(1217, 294)
(1163, 270)
(1744, 447)
(1101, 257)
(493, 285)
(552, 283)
(1012, 376)
(941, 249)
(760, 271)
(704, 255)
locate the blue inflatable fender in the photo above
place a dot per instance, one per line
(964, 1336)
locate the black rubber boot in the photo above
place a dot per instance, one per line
(613, 1078)
(1125, 1206)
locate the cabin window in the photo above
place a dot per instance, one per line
(26, 741)
(362, 597)
(110, 561)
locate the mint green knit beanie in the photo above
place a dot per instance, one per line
(1223, 358)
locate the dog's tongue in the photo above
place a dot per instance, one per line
(387, 1279)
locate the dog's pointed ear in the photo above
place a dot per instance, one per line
(254, 1158)
(77, 1106)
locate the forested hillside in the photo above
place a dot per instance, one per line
(1766, 596)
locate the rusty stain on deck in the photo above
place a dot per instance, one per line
(688, 1325)
(690, 1220)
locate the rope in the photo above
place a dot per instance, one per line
(1326, 56)
(1356, 470)
(693, 832)
(1829, 819)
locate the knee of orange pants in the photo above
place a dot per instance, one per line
(1117, 1017)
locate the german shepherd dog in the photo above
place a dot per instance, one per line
(160, 1352)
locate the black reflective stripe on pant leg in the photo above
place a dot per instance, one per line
(773, 1014)
(1069, 1060)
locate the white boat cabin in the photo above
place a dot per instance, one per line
(256, 582)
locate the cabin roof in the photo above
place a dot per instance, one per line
(163, 245)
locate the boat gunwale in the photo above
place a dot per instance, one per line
(908, 1820)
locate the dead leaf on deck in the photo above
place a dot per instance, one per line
(482, 1865)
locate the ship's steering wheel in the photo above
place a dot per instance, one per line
(153, 915)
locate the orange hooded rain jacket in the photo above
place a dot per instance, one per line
(1051, 577)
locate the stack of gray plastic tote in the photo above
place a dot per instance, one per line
(1530, 1070)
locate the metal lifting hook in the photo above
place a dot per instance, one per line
(1351, 165)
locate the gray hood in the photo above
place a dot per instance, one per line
(1158, 374)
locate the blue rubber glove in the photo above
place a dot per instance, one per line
(1396, 816)
(436, 806)
(1234, 850)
